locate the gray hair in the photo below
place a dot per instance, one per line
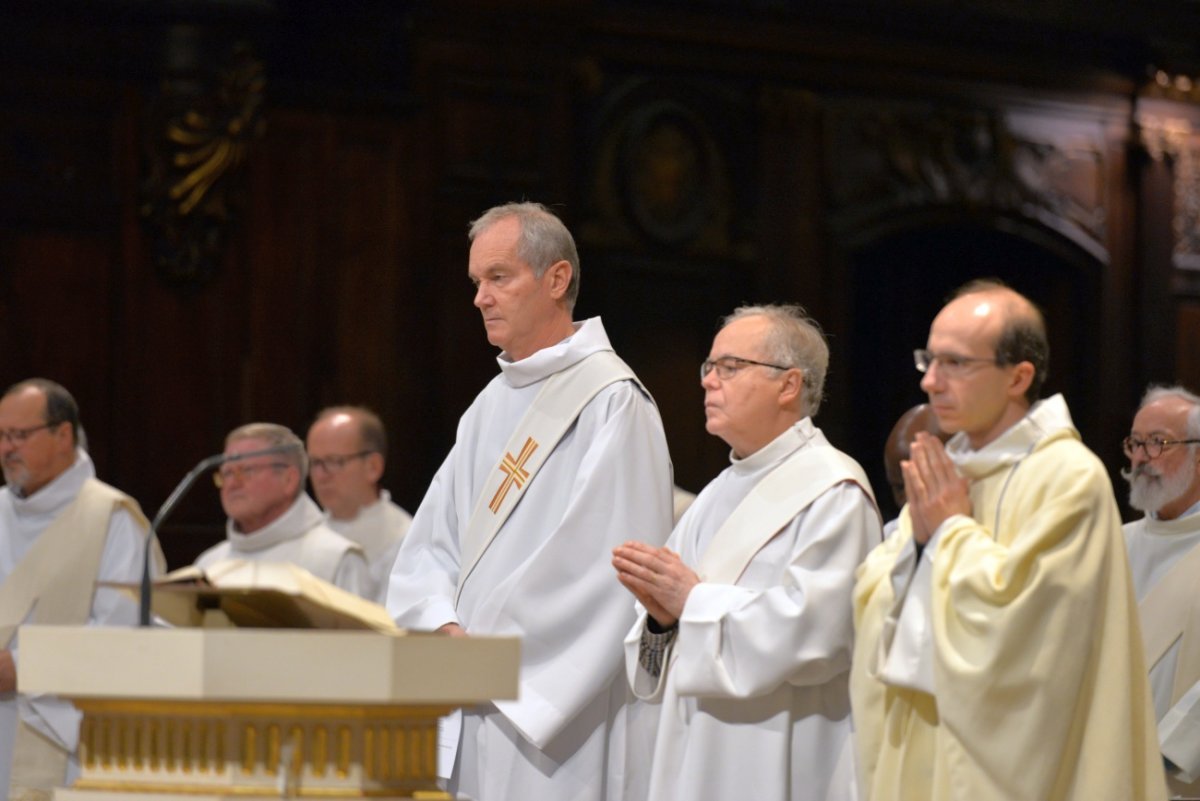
(1193, 418)
(544, 240)
(276, 435)
(794, 340)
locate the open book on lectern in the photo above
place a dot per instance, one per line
(261, 595)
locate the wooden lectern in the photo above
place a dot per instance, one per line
(229, 713)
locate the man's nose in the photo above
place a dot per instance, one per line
(930, 380)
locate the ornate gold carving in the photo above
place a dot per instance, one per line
(369, 769)
(273, 749)
(320, 758)
(138, 746)
(199, 143)
(343, 763)
(249, 748)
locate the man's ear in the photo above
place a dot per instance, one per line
(791, 392)
(1022, 377)
(559, 277)
(374, 462)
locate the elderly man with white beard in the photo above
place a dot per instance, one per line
(1163, 449)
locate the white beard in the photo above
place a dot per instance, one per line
(1150, 491)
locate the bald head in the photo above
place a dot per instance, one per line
(1022, 329)
(899, 444)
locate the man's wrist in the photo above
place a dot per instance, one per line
(658, 628)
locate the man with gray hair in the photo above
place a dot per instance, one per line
(559, 459)
(1163, 447)
(745, 632)
(271, 519)
(61, 532)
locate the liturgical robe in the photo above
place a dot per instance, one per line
(1005, 660)
(298, 536)
(546, 577)
(378, 528)
(754, 703)
(1155, 548)
(21, 521)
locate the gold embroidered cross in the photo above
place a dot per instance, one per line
(515, 473)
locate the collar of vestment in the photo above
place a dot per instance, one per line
(1046, 420)
(588, 338)
(1186, 523)
(301, 516)
(365, 513)
(796, 436)
(55, 496)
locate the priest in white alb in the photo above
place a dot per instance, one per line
(744, 635)
(347, 451)
(1163, 447)
(61, 532)
(271, 517)
(559, 459)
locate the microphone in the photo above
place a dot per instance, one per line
(173, 500)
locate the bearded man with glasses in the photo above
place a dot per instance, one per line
(61, 531)
(1163, 447)
(998, 654)
(271, 518)
(346, 448)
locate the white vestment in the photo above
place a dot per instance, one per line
(546, 577)
(1154, 547)
(378, 528)
(298, 536)
(754, 703)
(21, 521)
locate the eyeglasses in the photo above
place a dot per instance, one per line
(729, 366)
(17, 436)
(241, 472)
(950, 364)
(1152, 446)
(333, 464)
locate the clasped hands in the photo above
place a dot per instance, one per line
(657, 577)
(933, 487)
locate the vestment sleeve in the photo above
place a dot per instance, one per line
(424, 576)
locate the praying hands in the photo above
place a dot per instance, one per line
(657, 577)
(933, 486)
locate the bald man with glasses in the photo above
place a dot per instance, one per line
(997, 652)
(272, 519)
(61, 531)
(1163, 448)
(346, 453)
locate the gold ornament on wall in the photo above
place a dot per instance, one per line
(201, 135)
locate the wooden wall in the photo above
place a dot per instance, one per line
(703, 159)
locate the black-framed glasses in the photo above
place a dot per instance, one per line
(1152, 446)
(952, 364)
(17, 436)
(729, 366)
(333, 464)
(241, 472)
